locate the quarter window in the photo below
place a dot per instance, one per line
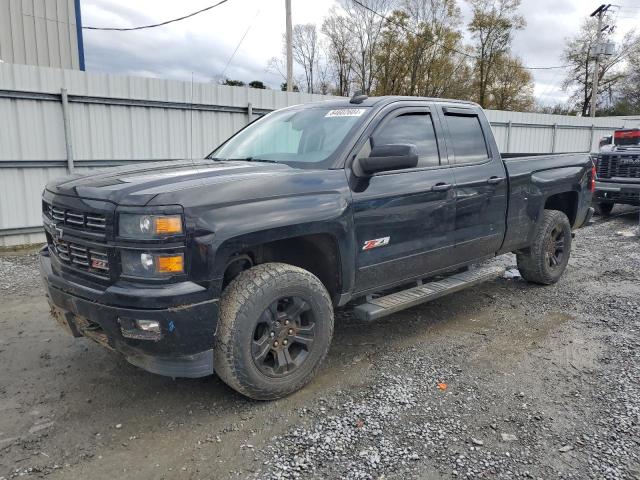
(469, 145)
(414, 129)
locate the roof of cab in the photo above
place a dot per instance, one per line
(387, 99)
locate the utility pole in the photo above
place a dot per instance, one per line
(287, 4)
(600, 11)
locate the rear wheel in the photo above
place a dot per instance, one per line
(275, 327)
(547, 258)
(604, 208)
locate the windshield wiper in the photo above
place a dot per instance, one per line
(250, 159)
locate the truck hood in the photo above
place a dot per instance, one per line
(137, 185)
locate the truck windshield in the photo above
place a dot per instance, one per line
(308, 137)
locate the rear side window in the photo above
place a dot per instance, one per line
(469, 145)
(414, 129)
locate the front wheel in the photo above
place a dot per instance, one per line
(604, 208)
(275, 328)
(547, 257)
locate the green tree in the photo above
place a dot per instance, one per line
(421, 52)
(511, 86)
(233, 83)
(492, 27)
(257, 84)
(283, 87)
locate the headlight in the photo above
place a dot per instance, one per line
(146, 227)
(151, 265)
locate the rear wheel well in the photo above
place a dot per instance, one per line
(566, 202)
(316, 253)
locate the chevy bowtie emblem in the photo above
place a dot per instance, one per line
(375, 243)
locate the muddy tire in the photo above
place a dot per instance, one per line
(604, 208)
(275, 328)
(545, 261)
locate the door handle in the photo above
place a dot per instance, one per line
(495, 180)
(441, 187)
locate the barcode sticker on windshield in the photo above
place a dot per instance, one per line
(346, 112)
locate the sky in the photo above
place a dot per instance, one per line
(203, 46)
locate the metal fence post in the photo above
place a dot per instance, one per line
(553, 137)
(67, 128)
(508, 150)
(593, 130)
(250, 111)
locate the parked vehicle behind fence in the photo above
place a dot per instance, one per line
(234, 264)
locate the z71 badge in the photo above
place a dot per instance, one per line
(378, 242)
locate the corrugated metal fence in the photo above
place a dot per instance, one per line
(40, 32)
(52, 119)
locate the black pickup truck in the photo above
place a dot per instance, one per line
(234, 264)
(618, 172)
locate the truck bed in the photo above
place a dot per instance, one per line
(520, 163)
(532, 179)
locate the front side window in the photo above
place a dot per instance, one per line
(467, 140)
(413, 129)
(307, 136)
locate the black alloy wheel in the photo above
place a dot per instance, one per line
(556, 247)
(283, 337)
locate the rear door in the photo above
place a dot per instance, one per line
(480, 183)
(404, 219)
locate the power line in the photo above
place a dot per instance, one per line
(451, 49)
(142, 27)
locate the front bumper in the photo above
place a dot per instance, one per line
(618, 192)
(184, 347)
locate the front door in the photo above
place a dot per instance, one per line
(404, 219)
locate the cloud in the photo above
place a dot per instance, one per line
(202, 45)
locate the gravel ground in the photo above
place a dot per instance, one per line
(507, 380)
(19, 274)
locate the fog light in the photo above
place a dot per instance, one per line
(140, 329)
(150, 326)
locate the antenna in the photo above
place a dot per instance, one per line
(358, 98)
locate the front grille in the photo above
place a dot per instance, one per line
(618, 166)
(75, 219)
(89, 259)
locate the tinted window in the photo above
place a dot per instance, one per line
(467, 139)
(415, 129)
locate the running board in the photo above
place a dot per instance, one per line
(383, 306)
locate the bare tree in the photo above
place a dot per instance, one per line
(577, 54)
(339, 47)
(365, 20)
(305, 51)
(628, 98)
(278, 66)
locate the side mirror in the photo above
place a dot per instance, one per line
(384, 158)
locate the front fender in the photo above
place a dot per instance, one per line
(224, 231)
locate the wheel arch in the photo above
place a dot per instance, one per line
(320, 252)
(565, 202)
